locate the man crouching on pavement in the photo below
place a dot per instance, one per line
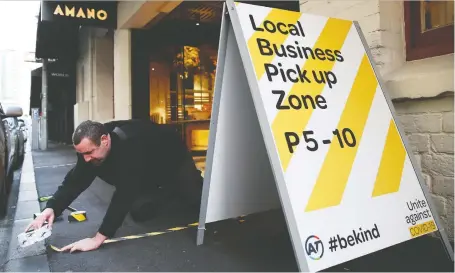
(136, 157)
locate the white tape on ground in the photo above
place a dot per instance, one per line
(55, 166)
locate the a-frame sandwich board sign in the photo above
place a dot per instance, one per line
(301, 119)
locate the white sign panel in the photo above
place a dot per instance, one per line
(298, 104)
(349, 179)
(241, 179)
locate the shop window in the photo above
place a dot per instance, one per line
(182, 82)
(429, 27)
(193, 82)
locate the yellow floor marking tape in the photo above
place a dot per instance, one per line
(129, 237)
(150, 234)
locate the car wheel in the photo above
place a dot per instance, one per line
(9, 181)
(3, 200)
(20, 160)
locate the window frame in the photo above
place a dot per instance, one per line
(419, 45)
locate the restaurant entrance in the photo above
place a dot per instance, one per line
(174, 67)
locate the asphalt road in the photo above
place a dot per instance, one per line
(6, 224)
(226, 249)
(261, 243)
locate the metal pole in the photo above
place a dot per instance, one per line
(43, 127)
(35, 129)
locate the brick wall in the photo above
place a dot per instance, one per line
(367, 13)
(429, 126)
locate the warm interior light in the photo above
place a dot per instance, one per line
(200, 139)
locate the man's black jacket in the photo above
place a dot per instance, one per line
(151, 152)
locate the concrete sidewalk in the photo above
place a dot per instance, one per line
(261, 243)
(32, 258)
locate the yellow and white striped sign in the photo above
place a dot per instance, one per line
(350, 183)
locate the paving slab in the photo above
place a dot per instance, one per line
(25, 209)
(30, 195)
(28, 177)
(27, 187)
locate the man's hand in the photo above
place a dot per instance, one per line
(47, 215)
(86, 244)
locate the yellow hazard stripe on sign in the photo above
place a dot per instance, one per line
(332, 36)
(275, 15)
(331, 184)
(392, 164)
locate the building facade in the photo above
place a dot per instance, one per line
(156, 65)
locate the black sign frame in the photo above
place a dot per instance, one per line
(83, 13)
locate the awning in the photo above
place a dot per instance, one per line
(60, 21)
(56, 40)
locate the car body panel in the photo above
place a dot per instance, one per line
(10, 147)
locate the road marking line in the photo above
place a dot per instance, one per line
(55, 166)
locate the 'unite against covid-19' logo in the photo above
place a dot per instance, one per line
(314, 247)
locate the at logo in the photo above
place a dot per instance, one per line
(314, 247)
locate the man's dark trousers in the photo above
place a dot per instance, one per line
(185, 183)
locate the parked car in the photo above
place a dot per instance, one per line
(6, 155)
(18, 141)
(23, 127)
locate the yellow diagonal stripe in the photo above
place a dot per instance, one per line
(132, 237)
(275, 16)
(329, 188)
(150, 234)
(332, 37)
(154, 233)
(176, 228)
(55, 248)
(193, 224)
(392, 163)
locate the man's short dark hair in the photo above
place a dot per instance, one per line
(92, 130)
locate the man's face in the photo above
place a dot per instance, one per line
(92, 153)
